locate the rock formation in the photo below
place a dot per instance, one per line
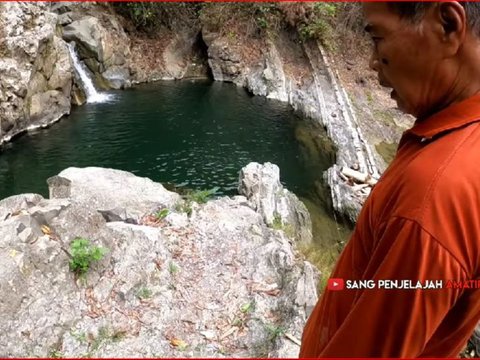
(261, 186)
(101, 42)
(35, 69)
(217, 282)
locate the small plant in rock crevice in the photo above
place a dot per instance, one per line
(80, 336)
(244, 315)
(278, 224)
(55, 354)
(173, 268)
(83, 254)
(144, 293)
(162, 214)
(194, 196)
(104, 336)
(248, 307)
(185, 207)
(274, 331)
(201, 196)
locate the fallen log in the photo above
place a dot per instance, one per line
(358, 176)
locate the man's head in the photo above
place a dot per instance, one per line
(426, 52)
(414, 11)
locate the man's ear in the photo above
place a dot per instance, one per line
(453, 20)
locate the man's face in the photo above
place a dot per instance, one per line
(407, 59)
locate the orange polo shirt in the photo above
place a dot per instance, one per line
(421, 222)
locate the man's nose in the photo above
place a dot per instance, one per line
(373, 63)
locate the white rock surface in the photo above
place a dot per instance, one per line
(33, 64)
(217, 283)
(278, 207)
(107, 189)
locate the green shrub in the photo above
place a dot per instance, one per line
(246, 19)
(248, 307)
(55, 354)
(274, 331)
(326, 9)
(201, 196)
(142, 14)
(83, 254)
(319, 25)
(151, 16)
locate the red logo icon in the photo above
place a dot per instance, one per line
(335, 284)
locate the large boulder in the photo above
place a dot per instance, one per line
(48, 96)
(118, 77)
(260, 69)
(17, 203)
(216, 283)
(225, 60)
(46, 107)
(269, 80)
(89, 34)
(109, 189)
(278, 206)
(101, 44)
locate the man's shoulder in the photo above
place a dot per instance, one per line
(430, 177)
(447, 167)
(442, 177)
(442, 184)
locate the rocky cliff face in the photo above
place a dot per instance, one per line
(35, 69)
(216, 282)
(37, 77)
(260, 184)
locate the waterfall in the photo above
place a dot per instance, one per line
(93, 96)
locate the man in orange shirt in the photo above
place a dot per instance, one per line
(422, 220)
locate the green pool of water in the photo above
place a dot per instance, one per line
(193, 135)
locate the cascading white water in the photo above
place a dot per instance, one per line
(93, 96)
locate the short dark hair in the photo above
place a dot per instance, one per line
(414, 11)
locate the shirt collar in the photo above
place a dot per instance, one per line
(457, 115)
